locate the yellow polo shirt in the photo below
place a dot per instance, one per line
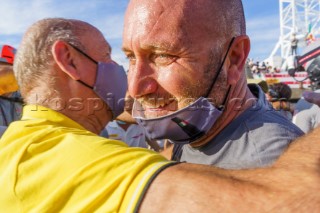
(49, 163)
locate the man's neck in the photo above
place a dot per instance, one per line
(236, 105)
(94, 122)
(91, 119)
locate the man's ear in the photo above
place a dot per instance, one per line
(237, 57)
(64, 57)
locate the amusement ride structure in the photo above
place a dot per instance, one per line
(301, 19)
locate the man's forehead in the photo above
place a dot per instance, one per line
(164, 24)
(145, 8)
(143, 16)
(184, 13)
(139, 12)
(154, 7)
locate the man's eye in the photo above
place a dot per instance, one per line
(163, 59)
(131, 58)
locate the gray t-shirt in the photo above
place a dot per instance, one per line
(307, 115)
(256, 138)
(2, 130)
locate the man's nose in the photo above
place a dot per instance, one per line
(141, 79)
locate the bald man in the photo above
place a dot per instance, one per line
(187, 77)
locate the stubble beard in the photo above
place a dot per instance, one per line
(216, 94)
(204, 88)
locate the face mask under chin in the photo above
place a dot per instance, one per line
(183, 126)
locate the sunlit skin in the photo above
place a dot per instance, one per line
(164, 70)
(172, 64)
(71, 66)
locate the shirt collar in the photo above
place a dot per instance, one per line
(36, 112)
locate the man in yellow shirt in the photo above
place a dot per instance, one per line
(53, 161)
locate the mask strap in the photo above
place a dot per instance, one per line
(90, 58)
(192, 131)
(83, 53)
(222, 106)
(220, 68)
(85, 84)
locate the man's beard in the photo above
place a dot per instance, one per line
(214, 91)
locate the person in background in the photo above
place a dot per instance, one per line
(10, 99)
(131, 134)
(294, 44)
(279, 95)
(261, 83)
(306, 114)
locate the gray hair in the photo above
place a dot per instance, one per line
(34, 57)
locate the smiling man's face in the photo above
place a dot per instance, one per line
(171, 53)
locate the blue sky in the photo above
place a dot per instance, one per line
(107, 15)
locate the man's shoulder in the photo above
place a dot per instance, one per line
(254, 142)
(271, 120)
(96, 165)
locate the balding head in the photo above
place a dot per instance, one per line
(229, 16)
(176, 49)
(213, 18)
(34, 56)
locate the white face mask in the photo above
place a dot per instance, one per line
(185, 125)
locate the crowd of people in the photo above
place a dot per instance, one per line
(226, 144)
(259, 69)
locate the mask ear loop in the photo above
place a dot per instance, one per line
(220, 68)
(90, 58)
(83, 53)
(222, 106)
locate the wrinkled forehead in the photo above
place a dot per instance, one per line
(146, 8)
(144, 13)
(178, 16)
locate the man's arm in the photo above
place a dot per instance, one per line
(292, 184)
(200, 188)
